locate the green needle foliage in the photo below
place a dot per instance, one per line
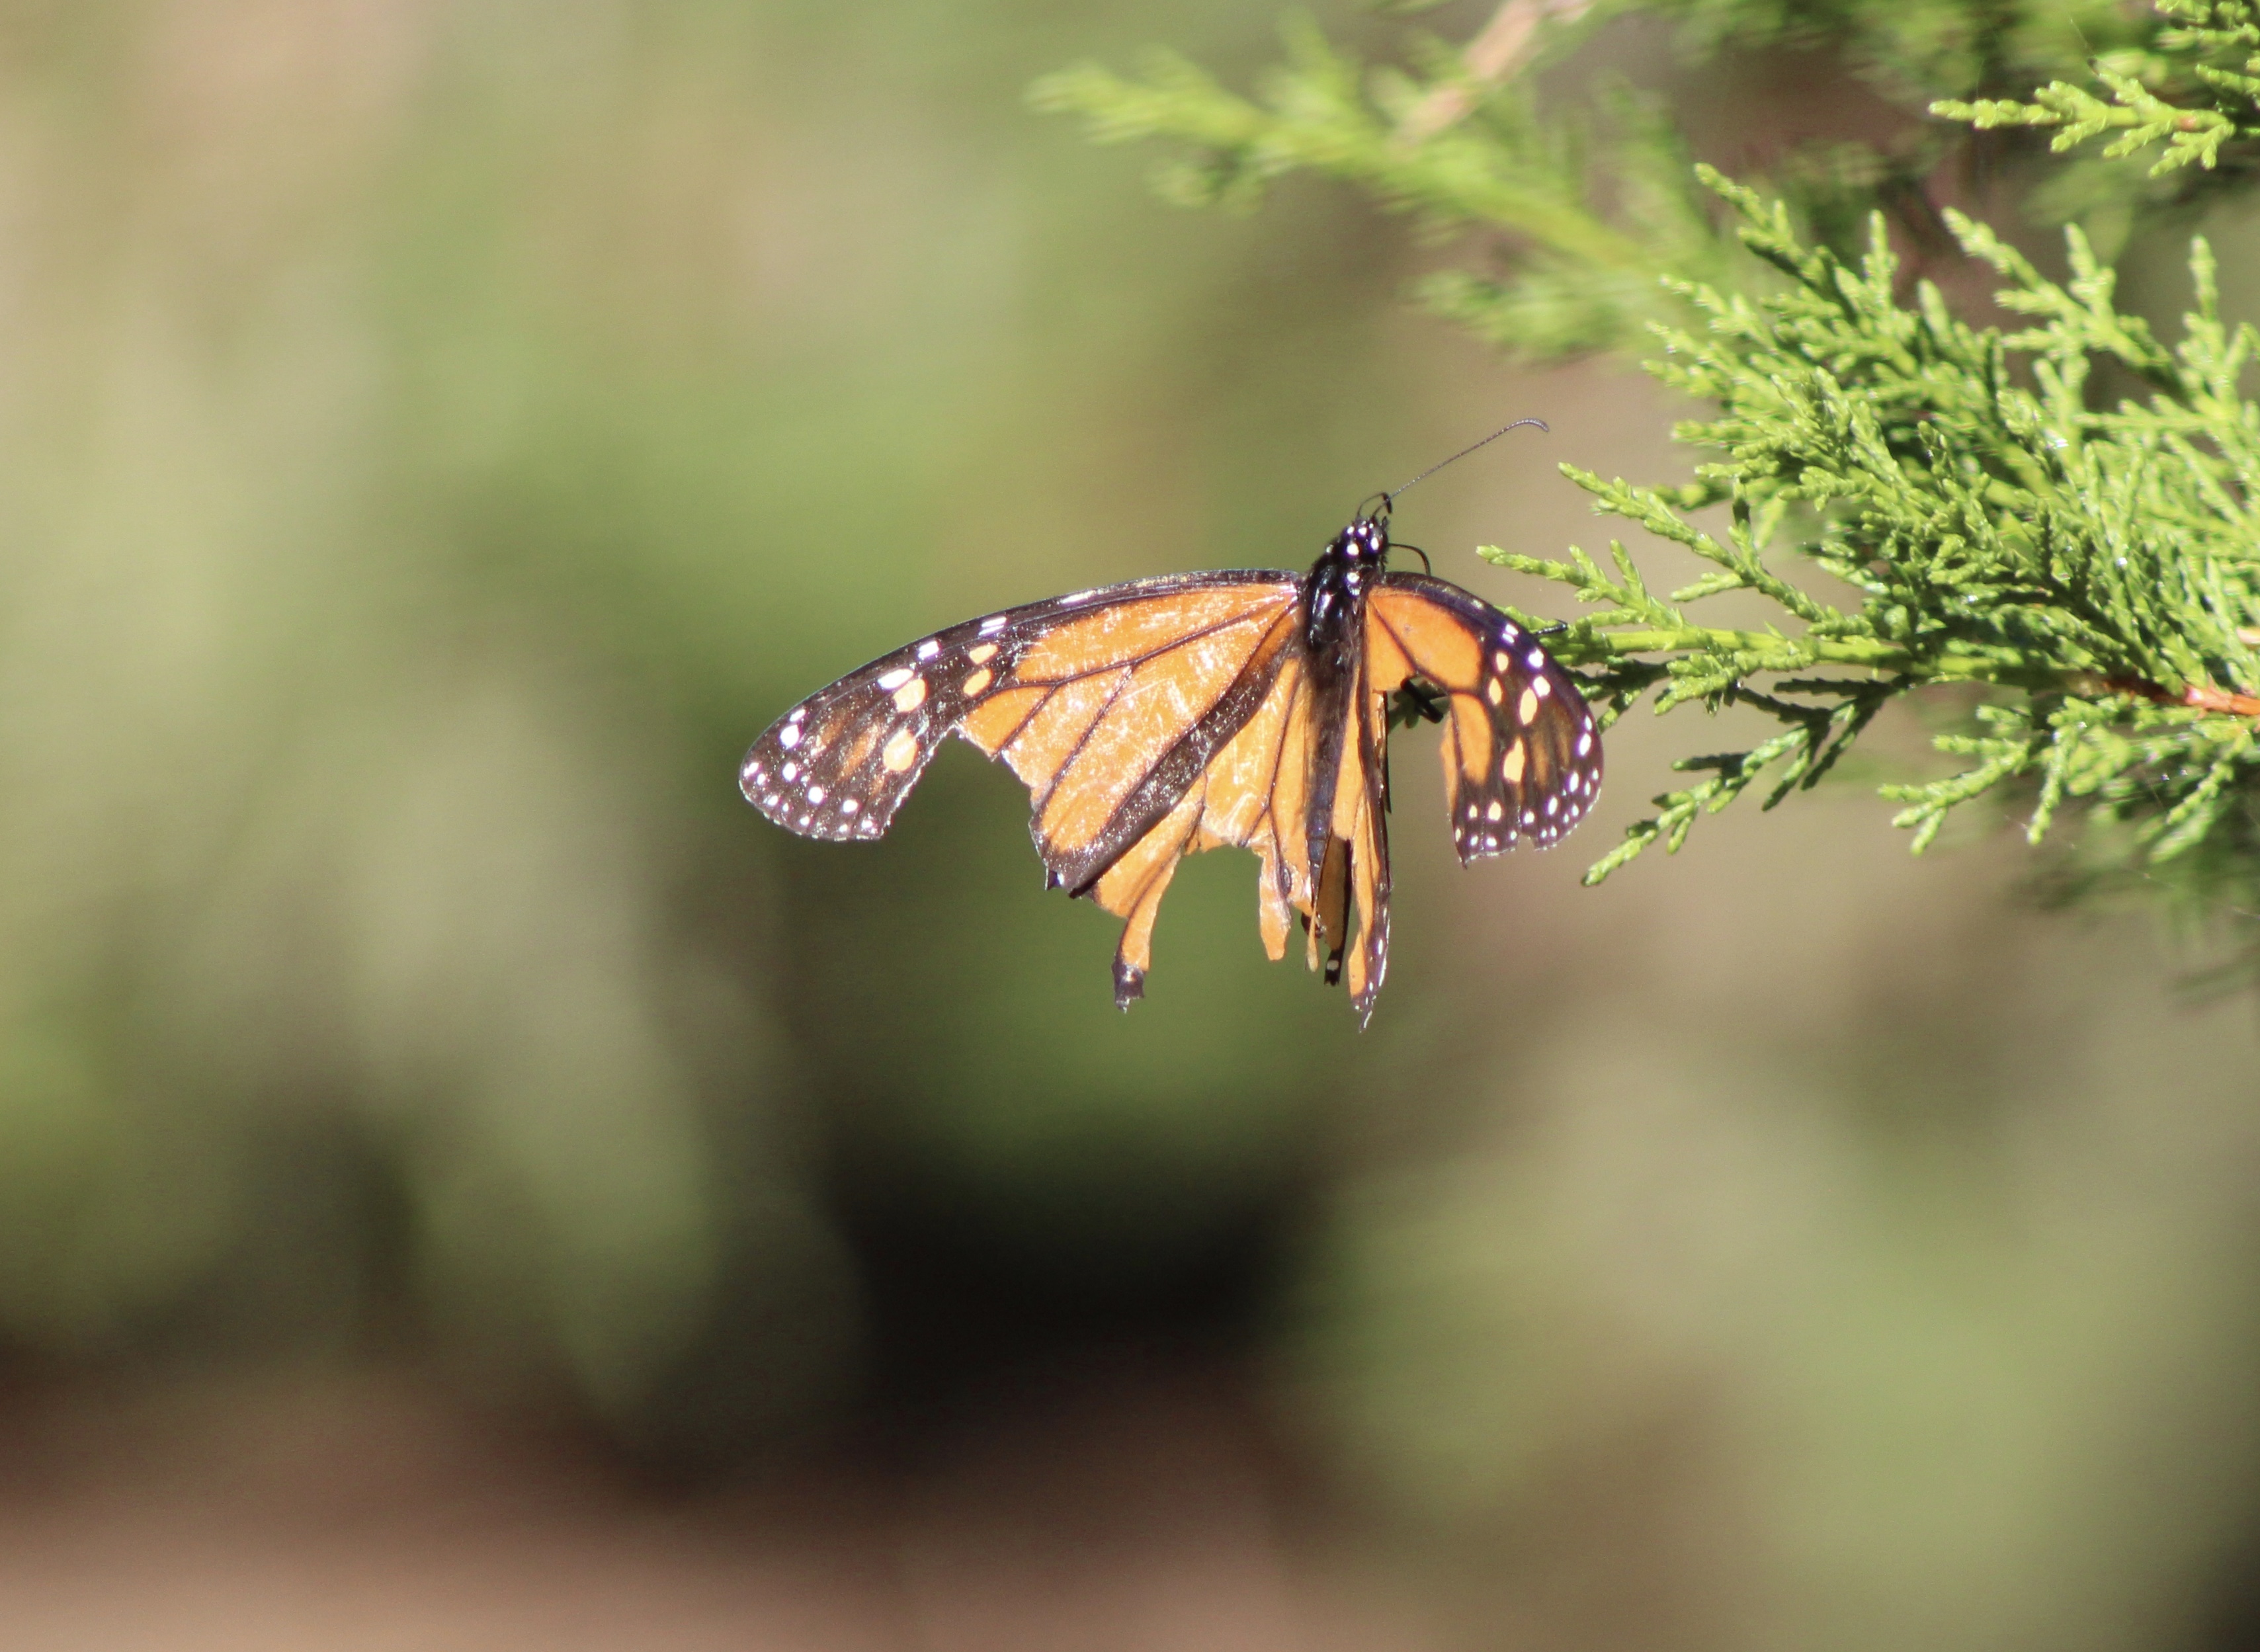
(2194, 96)
(1579, 280)
(2047, 529)
(2093, 568)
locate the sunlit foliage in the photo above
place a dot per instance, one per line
(2057, 514)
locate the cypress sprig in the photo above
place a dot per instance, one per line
(2092, 569)
(2193, 90)
(1583, 277)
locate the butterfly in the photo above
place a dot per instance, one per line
(1251, 708)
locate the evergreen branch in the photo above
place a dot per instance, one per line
(2193, 92)
(2192, 137)
(2094, 567)
(1317, 116)
(1581, 276)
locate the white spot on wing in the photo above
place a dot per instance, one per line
(895, 679)
(991, 625)
(790, 737)
(929, 649)
(791, 771)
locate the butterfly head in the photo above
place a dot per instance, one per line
(1364, 543)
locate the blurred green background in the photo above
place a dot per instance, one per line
(437, 435)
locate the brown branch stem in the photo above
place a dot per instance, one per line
(2201, 697)
(1500, 47)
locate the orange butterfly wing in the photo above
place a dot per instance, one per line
(1248, 796)
(1111, 705)
(1043, 681)
(1522, 752)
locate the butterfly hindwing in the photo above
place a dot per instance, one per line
(1347, 905)
(1369, 868)
(1236, 802)
(1250, 799)
(1522, 752)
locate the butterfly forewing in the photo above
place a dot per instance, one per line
(1109, 773)
(1171, 730)
(840, 763)
(1523, 753)
(1069, 692)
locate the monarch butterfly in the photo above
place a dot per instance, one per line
(1250, 708)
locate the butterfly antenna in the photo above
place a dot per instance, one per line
(1390, 498)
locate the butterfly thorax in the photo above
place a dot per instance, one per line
(1333, 594)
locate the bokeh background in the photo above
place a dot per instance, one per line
(466, 1181)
